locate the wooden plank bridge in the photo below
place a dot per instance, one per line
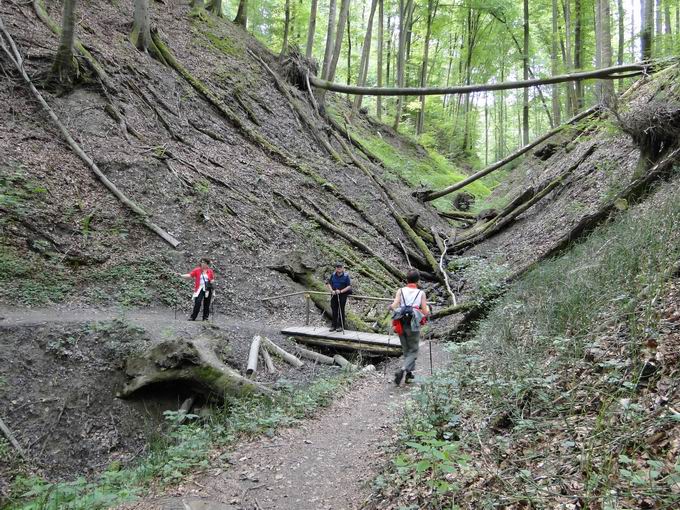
(373, 343)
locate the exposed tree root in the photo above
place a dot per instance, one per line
(388, 284)
(348, 237)
(632, 191)
(191, 363)
(15, 57)
(312, 126)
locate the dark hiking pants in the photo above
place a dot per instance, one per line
(338, 302)
(198, 300)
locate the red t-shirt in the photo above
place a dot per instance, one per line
(196, 273)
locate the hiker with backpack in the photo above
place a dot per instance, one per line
(340, 286)
(410, 311)
(204, 288)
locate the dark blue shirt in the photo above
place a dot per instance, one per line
(339, 282)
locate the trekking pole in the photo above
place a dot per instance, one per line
(431, 369)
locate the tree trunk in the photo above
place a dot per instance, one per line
(349, 48)
(216, 8)
(578, 51)
(388, 66)
(193, 363)
(339, 34)
(286, 28)
(330, 32)
(365, 57)
(311, 30)
(556, 114)
(431, 13)
(621, 38)
(659, 20)
(140, 36)
(242, 14)
(525, 74)
(610, 73)
(647, 29)
(381, 35)
(605, 88)
(65, 66)
(404, 8)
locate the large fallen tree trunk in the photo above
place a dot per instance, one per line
(508, 215)
(606, 73)
(428, 195)
(315, 356)
(193, 363)
(14, 56)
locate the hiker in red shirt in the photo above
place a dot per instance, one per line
(204, 278)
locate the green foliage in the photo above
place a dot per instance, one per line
(179, 449)
(29, 279)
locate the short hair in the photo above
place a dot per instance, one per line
(206, 260)
(413, 276)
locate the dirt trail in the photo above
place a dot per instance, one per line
(325, 463)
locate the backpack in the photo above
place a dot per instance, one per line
(406, 310)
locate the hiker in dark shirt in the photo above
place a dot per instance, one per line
(340, 286)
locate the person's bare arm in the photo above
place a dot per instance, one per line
(397, 299)
(185, 275)
(424, 307)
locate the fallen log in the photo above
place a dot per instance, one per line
(605, 73)
(429, 195)
(347, 345)
(252, 356)
(267, 359)
(16, 59)
(278, 351)
(444, 312)
(315, 356)
(458, 215)
(12, 440)
(343, 362)
(192, 363)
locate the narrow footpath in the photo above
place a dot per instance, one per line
(325, 463)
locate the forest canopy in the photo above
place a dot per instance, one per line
(443, 43)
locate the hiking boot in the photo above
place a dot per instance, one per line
(409, 377)
(398, 376)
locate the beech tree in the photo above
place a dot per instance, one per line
(525, 74)
(311, 30)
(603, 49)
(216, 8)
(330, 38)
(365, 56)
(242, 14)
(65, 66)
(647, 30)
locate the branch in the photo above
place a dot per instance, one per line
(606, 73)
(427, 196)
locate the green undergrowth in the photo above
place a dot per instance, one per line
(182, 449)
(430, 169)
(30, 279)
(555, 402)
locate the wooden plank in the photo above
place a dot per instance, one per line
(346, 336)
(394, 349)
